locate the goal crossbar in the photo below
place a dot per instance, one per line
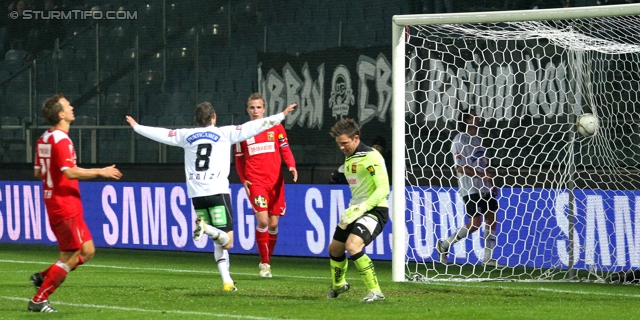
(518, 15)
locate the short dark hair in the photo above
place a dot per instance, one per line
(463, 118)
(203, 114)
(256, 96)
(345, 126)
(51, 109)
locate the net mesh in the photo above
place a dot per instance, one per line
(567, 203)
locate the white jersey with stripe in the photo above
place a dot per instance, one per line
(207, 151)
(468, 151)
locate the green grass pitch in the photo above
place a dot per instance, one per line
(139, 284)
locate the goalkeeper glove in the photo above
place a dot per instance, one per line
(351, 214)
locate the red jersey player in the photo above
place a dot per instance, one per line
(258, 163)
(55, 164)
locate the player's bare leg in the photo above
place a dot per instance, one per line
(86, 253)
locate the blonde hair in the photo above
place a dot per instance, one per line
(256, 96)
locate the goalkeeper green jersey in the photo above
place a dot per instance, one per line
(366, 174)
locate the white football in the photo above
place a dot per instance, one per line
(588, 124)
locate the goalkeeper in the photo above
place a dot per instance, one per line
(367, 214)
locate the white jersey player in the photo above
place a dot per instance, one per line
(207, 154)
(475, 184)
(468, 151)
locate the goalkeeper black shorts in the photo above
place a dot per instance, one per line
(476, 204)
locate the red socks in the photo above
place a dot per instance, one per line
(55, 276)
(262, 241)
(80, 262)
(273, 238)
(45, 272)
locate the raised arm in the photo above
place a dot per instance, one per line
(252, 128)
(162, 135)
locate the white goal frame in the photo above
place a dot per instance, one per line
(399, 22)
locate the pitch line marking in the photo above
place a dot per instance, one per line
(538, 289)
(312, 277)
(196, 313)
(155, 269)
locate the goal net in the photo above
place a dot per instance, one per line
(568, 205)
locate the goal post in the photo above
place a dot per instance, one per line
(569, 205)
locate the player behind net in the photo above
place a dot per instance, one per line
(475, 182)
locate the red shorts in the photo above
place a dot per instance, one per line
(71, 233)
(268, 199)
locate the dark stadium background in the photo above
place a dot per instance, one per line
(187, 52)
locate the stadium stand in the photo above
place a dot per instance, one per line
(226, 42)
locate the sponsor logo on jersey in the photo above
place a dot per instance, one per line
(270, 136)
(251, 140)
(260, 202)
(44, 150)
(172, 133)
(239, 127)
(258, 148)
(372, 170)
(477, 154)
(354, 167)
(203, 135)
(281, 137)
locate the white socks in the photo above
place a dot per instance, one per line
(218, 236)
(222, 258)
(460, 234)
(463, 232)
(489, 243)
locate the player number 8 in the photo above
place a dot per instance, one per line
(202, 157)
